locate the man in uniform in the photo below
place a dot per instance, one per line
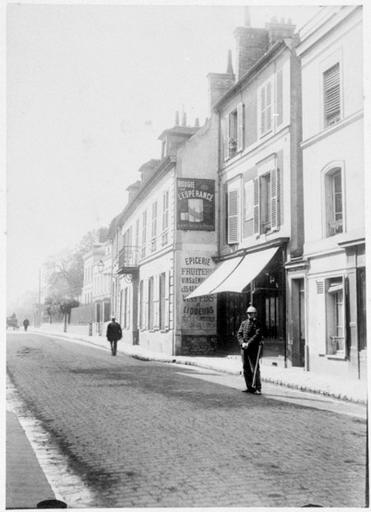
(250, 340)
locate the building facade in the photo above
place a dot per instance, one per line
(334, 209)
(95, 306)
(163, 242)
(260, 182)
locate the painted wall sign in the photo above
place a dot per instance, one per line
(195, 204)
(198, 314)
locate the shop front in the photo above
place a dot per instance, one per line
(255, 278)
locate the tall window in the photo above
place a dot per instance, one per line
(150, 303)
(154, 226)
(234, 132)
(334, 202)
(335, 317)
(126, 309)
(331, 95)
(144, 233)
(266, 202)
(137, 234)
(265, 113)
(141, 305)
(162, 300)
(165, 217)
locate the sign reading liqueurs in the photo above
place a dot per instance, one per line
(196, 204)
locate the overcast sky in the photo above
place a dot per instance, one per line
(89, 89)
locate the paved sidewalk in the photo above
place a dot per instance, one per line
(26, 484)
(296, 378)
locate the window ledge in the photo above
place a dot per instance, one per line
(335, 357)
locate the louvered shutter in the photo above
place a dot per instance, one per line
(225, 132)
(233, 216)
(279, 97)
(256, 206)
(275, 193)
(331, 86)
(240, 126)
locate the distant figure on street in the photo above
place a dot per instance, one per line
(250, 340)
(26, 323)
(114, 334)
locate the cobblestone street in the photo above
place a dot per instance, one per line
(146, 434)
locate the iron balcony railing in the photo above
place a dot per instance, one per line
(129, 258)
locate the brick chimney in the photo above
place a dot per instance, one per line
(219, 83)
(251, 44)
(280, 30)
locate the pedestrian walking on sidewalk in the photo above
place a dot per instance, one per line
(26, 323)
(249, 337)
(113, 334)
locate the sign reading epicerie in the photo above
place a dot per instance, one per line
(199, 313)
(196, 204)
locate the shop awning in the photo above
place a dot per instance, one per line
(249, 268)
(235, 274)
(222, 271)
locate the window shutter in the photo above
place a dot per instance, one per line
(226, 137)
(275, 193)
(233, 216)
(279, 97)
(240, 126)
(256, 206)
(331, 85)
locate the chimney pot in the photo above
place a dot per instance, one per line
(177, 118)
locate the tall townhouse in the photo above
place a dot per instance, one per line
(333, 169)
(260, 179)
(163, 243)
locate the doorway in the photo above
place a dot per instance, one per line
(298, 322)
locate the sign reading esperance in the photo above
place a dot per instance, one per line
(195, 204)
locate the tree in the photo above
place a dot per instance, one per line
(66, 270)
(65, 275)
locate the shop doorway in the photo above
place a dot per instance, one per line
(298, 323)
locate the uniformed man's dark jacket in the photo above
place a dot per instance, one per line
(250, 333)
(114, 332)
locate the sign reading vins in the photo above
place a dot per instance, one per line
(195, 204)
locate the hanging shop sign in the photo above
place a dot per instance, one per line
(195, 204)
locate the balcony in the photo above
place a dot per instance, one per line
(128, 260)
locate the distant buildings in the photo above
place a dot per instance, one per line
(262, 205)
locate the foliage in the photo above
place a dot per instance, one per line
(64, 274)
